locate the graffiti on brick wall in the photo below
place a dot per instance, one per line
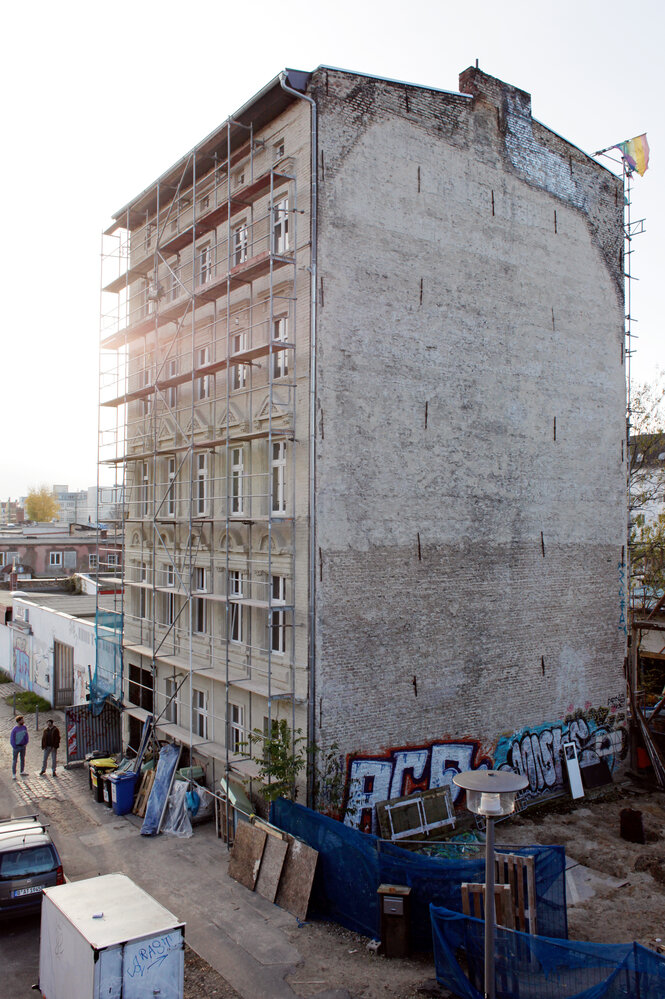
(599, 734)
(22, 663)
(402, 771)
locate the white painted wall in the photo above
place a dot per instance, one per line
(31, 656)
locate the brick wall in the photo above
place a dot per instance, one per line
(470, 483)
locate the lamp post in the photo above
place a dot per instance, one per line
(490, 793)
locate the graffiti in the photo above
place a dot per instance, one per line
(152, 955)
(535, 752)
(622, 598)
(615, 703)
(378, 778)
(22, 663)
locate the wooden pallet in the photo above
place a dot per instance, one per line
(144, 793)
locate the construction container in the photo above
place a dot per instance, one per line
(122, 791)
(104, 938)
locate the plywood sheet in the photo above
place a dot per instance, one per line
(274, 855)
(245, 859)
(295, 886)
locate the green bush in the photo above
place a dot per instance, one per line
(4, 677)
(27, 702)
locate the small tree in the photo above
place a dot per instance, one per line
(283, 759)
(647, 487)
(41, 505)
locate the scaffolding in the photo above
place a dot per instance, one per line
(198, 403)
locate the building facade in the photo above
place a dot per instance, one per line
(350, 346)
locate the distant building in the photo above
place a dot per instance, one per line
(51, 551)
(11, 512)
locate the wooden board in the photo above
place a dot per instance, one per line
(272, 864)
(295, 886)
(245, 859)
(144, 793)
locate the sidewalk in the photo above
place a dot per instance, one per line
(241, 935)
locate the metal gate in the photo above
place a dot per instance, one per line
(63, 675)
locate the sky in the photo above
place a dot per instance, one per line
(100, 98)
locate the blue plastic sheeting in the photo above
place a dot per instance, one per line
(353, 864)
(107, 678)
(536, 967)
(169, 756)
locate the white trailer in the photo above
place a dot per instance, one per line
(106, 938)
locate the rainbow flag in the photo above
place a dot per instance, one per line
(636, 153)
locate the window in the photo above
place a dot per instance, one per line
(240, 177)
(200, 712)
(144, 502)
(237, 472)
(278, 621)
(171, 708)
(200, 608)
(278, 465)
(170, 574)
(239, 371)
(280, 358)
(172, 390)
(201, 485)
(235, 610)
(92, 561)
(169, 608)
(175, 289)
(204, 203)
(148, 236)
(55, 558)
(237, 728)
(112, 559)
(280, 226)
(204, 264)
(239, 245)
(278, 149)
(170, 487)
(203, 388)
(143, 592)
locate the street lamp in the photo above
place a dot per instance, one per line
(490, 793)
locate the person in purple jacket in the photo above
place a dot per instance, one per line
(19, 739)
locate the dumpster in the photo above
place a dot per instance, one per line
(122, 791)
(106, 937)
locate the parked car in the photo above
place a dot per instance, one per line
(29, 862)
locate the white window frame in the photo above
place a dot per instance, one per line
(278, 478)
(200, 712)
(55, 559)
(239, 371)
(171, 487)
(200, 609)
(172, 390)
(203, 382)
(280, 334)
(236, 622)
(278, 617)
(240, 244)
(92, 560)
(172, 706)
(204, 264)
(169, 608)
(201, 483)
(237, 480)
(176, 288)
(280, 241)
(237, 733)
(145, 489)
(112, 559)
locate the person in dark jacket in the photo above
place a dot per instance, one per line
(19, 739)
(50, 743)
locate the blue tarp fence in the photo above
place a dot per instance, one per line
(353, 864)
(537, 967)
(107, 678)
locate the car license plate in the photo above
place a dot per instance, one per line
(27, 891)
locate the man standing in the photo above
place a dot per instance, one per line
(19, 739)
(50, 743)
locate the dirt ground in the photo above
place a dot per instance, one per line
(618, 895)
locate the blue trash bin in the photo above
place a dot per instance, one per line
(122, 791)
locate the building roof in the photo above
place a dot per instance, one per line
(74, 604)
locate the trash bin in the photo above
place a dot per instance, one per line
(122, 791)
(106, 790)
(98, 770)
(395, 919)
